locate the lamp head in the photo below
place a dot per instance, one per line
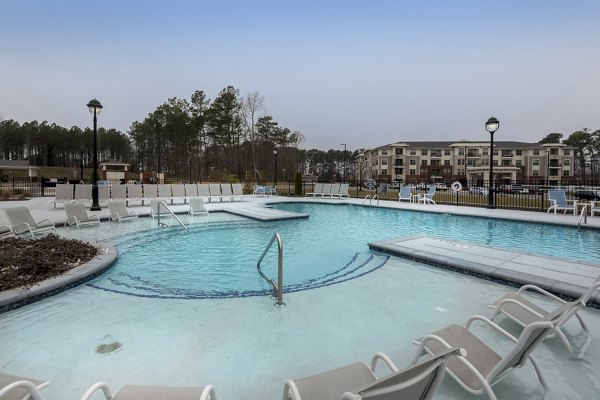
(492, 125)
(275, 150)
(94, 105)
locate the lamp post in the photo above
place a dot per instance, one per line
(95, 108)
(344, 144)
(491, 126)
(275, 153)
(190, 164)
(81, 165)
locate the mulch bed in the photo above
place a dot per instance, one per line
(24, 262)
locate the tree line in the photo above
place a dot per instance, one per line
(587, 151)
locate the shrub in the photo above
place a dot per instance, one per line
(298, 184)
(5, 194)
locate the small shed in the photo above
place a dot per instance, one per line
(113, 170)
(11, 165)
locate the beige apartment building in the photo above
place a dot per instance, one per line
(411, 162)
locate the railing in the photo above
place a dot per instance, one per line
(162, 203)
(583, 216)
(277, 286)
(368, 197)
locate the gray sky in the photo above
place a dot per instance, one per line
(354, 72)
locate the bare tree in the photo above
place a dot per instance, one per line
(251, 105)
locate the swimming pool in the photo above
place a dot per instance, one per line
(247, 347)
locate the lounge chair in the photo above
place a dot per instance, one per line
(165, 193)
(191, 190)
(64, 193)
(77, 215)
(118, 192)
(118, 211)
(103, 193)
(21, 222)
(134, 193)
(326, 191)
(334, 190)
(523, 311)
(226, 191)
(427, 198)
(197, 206)
(5, 231)
(156, 208)
(204, 191)
(215, 192)
(134, 392)
(83, 193)
(178, 191)
(595, 208)
(274, 191)
(558, 201)
(483, 367)
(238, 191)
(357, 381)
(267, 190)
(13, 387)
(317, 190)
(259, 190)
(150, 193)
(343, 191)
(405, 193)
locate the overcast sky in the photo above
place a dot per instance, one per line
(364, 73)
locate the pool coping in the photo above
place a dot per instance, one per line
(19, 297)
(489, 269)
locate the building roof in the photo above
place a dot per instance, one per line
(16, 164)
(507, 144)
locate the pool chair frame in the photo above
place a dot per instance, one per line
(28, 388)
(21, 222)
(140, 392)
(78, 216)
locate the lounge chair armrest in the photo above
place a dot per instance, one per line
(46, 222)
(518, 303)
(33, 391)
(208, 393)
(95, 387)
(22, 227)
(423, 342)
(541, 291)
(383, 357)
(290, 390)
(492, 324)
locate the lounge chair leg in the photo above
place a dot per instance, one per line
(541, 378)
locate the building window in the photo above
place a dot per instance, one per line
(485, 152)
(536, 172)
(412, 161)
(384, 172)
(399, 152)
(446, 152)
(565, 173)
(423, 152)
(553, 152)
(461, 152)
(436, 162)
(506, 163)
(461, 161)
(535, 162)
(423, 162)
(536, 152)
(566, 152)
(519, 152)
(518, 163)
(384, 161)
(446, 162)
(413, 152)
(384, 152)
(566, 163)
(412, 172)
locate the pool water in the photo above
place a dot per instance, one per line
(246, 347)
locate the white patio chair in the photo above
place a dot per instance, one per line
(274, 191)
(178, 191)
(118, 211)
(83, 194)
(238, 191)
(165, 192)
(197, 206)
(64, 193)
(150, 193)
(134, 392)
(191, 190)
(558, 201)
(317, 190)
(259, 190)
(343, 191)
(226, 191)
(427, 198)
(118, 192)
(524, 311)
(5, 231)
(595, 208)
(357, 381)
(13, 387)
(103, 193)
(134, 193)
(483, 367)
(326, 191)
(21, 221)
(405, 193)
(215, 192)
(77, 215)
(204, 191)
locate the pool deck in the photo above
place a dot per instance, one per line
(489, 262)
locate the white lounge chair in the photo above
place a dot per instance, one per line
(483, 367)
(357, 381)
(156, 208)
(238, 191)
(197, 206)
(226, 191)
(77, 215)
(267, 190)
(134, 193)
(204, 191)
(274, 191)
(558, 201)
(118, 211)
(83, 193)
(427, 198)
(523, 311)
(150, 193)
(134, 392)
(178, 191)
(343, 191)
(259, 190)
(215, 192)
(118, 192)
(64, 193)
(326, 191)
(165, 193)
(21, 222)
(13, 387)
(5, 231)
(317, 190)
(405, 193)
(191, 190)
(103, 193)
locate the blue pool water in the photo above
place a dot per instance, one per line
(218, 260)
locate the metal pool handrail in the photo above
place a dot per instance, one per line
(170, 212)
(277, 286)
(583, 216)
(368, 197)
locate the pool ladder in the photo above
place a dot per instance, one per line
(277, 286)
(368, 197)
(162, 203)
(582, 216)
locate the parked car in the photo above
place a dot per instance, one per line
(441, 186)
(478, 190)
(370, 184)
(588, 195)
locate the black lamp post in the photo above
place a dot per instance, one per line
(95, 108)
(491, 126)
(190, 164)
(344, 144)
(275, 179)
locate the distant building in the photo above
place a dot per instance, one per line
(408, 162)
(6, 166)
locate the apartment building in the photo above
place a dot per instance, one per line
(443, 161)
